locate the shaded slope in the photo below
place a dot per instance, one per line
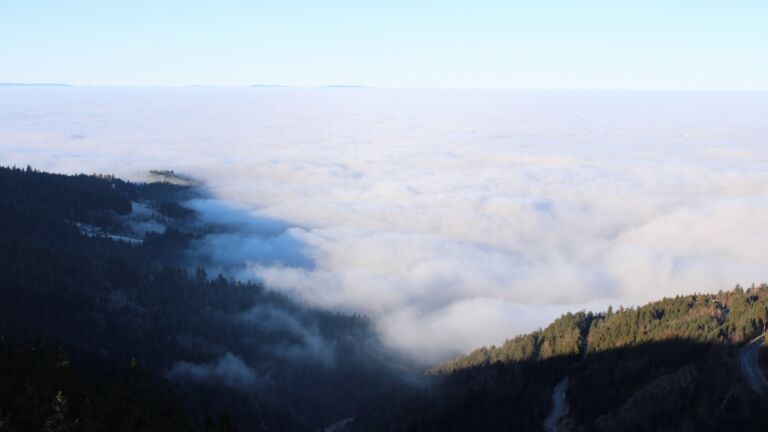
(668, 365)
(225, 346)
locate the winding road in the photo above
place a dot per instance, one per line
(559, 406)
(559, 403)
(749, 367)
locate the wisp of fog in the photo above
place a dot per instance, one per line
(452, 218)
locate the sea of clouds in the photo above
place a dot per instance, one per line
(453, 218)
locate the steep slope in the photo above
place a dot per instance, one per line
(668, 365)
(80, 271)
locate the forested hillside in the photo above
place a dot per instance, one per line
(80, 273)
(669, 365)
(727, 317)
(42, 391)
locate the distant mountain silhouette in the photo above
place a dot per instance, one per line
(11, 84)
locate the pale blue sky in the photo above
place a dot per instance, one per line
(488, 44)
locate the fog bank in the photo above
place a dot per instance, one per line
(452, 218)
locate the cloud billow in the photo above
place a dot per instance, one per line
(453, 218)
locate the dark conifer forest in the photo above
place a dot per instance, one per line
(89, 311)
(105, 327)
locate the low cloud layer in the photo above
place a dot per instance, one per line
(453, 218)
(228, 370)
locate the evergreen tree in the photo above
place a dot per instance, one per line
(5, 423)
(60, 419)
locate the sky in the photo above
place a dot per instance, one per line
(548, 44)
(452, 218)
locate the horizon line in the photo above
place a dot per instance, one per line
(363, 86)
